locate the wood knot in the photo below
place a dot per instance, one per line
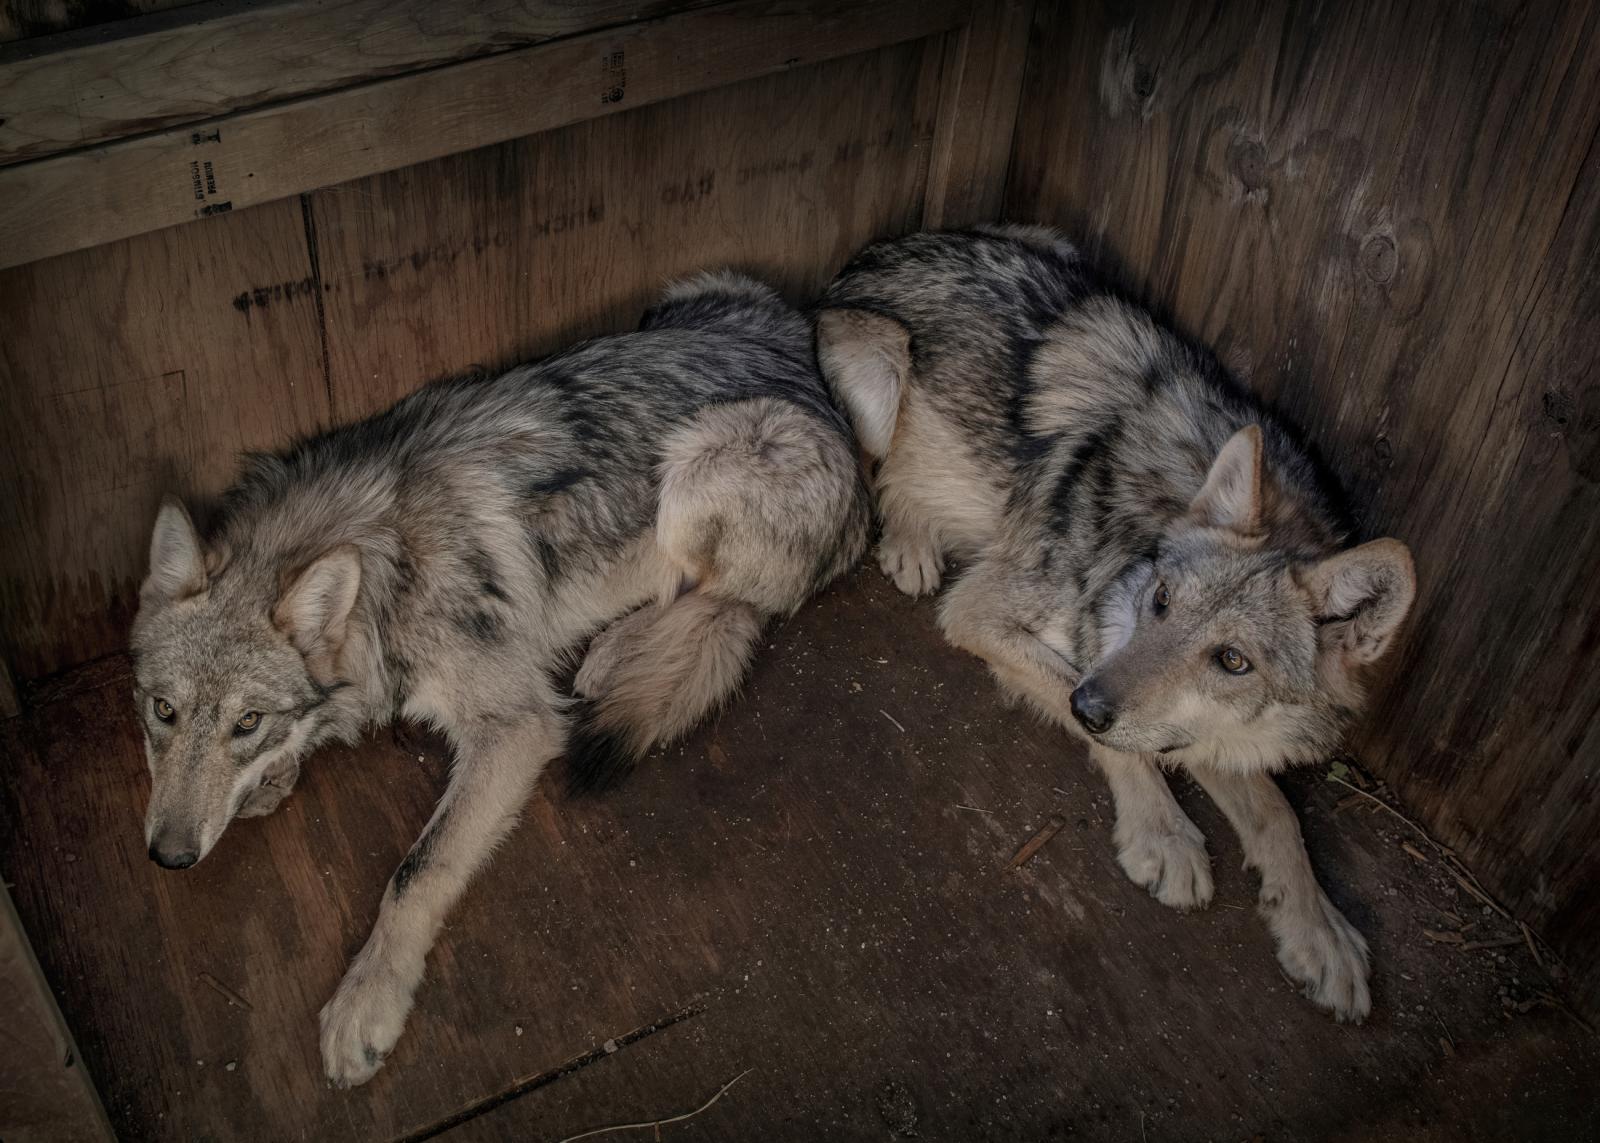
(1247, 159)
(1558, 407)
(1379, 258)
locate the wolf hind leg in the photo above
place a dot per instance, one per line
(909, 555)
(1317, 946)
(866, 359)
(761, 505)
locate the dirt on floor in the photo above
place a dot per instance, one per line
(814, 899)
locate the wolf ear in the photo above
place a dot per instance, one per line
(1232, 494)
(177, 558)
(1361, 597)
(316, 605)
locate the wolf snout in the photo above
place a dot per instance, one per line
(1093, 708)
(171, 854)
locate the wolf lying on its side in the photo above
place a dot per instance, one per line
(439, 560)
(1151, 558)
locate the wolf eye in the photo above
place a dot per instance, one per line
(248, 723)
(164, 710)
(1233, 661)
(1161, 600)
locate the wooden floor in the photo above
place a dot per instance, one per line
(812, 893)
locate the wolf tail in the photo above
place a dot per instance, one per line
(672, 667)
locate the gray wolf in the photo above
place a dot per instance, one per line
(1150, 559)
(671, 489)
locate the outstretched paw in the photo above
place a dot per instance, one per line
(912, 561)
(1324, 953)
(1171, 862)
(363, 1021)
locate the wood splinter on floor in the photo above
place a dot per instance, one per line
(223, 990)
(1037, 842)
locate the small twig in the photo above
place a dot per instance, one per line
(1443, 938)
(892, 719)
(974, 809)
(1533, 947)
(1550, 1000)
(1503, 943)
(659, 1123)
(1035, 843)
(223, 990)
(1380, 802)
(1413, 851)
(1448, 1038)
(1142, 1135)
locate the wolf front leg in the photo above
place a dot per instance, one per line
(1317, 946)
(1158, 846)
(496, 765)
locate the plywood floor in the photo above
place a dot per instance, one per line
(812, 892)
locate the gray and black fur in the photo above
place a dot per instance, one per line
(670, 489)
(1150, 558)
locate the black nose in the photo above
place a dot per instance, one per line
(180, 860)
(1092, 709)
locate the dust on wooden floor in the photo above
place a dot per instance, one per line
(814, 890)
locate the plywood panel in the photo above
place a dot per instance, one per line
(489, 257)
(129, 371)
(1384, 216)
(77, 199)
(73, 91)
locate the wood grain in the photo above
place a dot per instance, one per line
(70, 91)
(1396, 246)
(979, 91)
(793, 891)
(489, 258)
(81, 199)
(140, 368)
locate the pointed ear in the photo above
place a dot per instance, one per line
(177, 558)
(315, 607)
(1231, 496)
(1361, 597)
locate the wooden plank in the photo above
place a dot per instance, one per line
(48, 1096)
(126, 372)
(489, 258)
(1397, 247)
(25, 19)
(84, 198)
(794, 891)
(980, 88)
(73, 91)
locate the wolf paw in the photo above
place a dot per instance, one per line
(363, 1021)
(276, 786)
(913, 561)
(1171, 862)
(1323, 952)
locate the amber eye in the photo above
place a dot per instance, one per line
(1162, 599)
(1233, 661)
(164, 710)
(247, 724)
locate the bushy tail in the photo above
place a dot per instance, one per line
(670, 675)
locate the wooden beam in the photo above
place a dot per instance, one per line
(76, 89)
(981, 87)
(85, 198)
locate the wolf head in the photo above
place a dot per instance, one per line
(232, 672)
(1229, 648)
